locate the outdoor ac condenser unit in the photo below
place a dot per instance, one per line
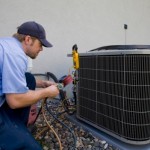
(113, 92)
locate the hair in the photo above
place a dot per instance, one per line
(21, 37)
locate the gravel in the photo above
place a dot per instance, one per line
(72, 136)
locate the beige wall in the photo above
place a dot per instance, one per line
(88, 23)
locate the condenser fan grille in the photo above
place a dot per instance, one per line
(114, 95)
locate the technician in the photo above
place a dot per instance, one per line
(17, 87)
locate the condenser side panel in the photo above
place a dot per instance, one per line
(86, 102)
(113, 95)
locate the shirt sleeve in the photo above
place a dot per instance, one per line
(13, 74)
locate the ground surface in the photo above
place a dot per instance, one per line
(71, 135)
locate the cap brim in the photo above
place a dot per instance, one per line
(45, 43)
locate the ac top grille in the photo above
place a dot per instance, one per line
(114, 95)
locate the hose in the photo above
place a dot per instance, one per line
(63, 125)
(63, 98)
(51, 128)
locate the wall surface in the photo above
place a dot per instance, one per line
(87, 23)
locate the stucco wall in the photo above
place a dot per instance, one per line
(87, 23)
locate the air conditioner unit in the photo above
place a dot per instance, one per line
(113, 92)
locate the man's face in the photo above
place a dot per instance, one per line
(33, 48)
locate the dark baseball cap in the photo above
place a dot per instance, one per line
(36, 30)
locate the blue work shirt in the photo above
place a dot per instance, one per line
(13, 65)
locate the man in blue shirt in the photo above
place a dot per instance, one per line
(17, 87)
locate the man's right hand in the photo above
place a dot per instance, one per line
(53, 91)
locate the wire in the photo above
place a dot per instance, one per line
(60, 145)
(63, 125)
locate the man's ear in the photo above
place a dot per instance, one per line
(28, 40)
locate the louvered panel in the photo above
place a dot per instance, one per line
(114, 94)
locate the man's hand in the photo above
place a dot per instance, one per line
(53, 91)
(47, 83)
(44, 83)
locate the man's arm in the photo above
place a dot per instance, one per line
(25, 99)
